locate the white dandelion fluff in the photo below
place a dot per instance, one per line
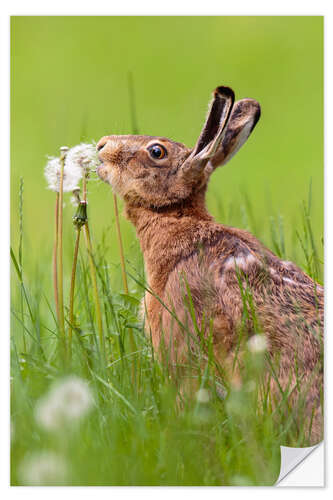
(72, 175)
(45, 468)
(67, 401)
(79, 160)
(84, 156)
(257, 343)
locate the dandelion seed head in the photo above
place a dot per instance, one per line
(45, 468)
(84, 156)
(76, 397)
(72, 175)
(49, 414)
(257, 343)
(66, 402)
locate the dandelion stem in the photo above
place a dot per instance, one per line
(55, 257)
(63, 151)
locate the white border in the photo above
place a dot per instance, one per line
(145, 7)
(170, 7)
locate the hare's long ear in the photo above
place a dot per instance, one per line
(244, 117)
(212, 134)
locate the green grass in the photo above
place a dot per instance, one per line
(70, 84)
(138, 432)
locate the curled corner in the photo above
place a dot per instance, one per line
(291, 457)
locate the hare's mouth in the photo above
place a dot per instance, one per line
(102, 171)
(107, 173)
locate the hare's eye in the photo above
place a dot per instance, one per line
(157, 151)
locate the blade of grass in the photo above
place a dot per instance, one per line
(20, 256)
(71, 292)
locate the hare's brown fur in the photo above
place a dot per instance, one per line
(181, 243)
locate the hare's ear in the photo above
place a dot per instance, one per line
(244, 117)
(212, 133)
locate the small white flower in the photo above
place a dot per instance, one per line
(67, 401)
(202, 396)
(45, 468)
(83, 156)
(257, 343)
(72, 175)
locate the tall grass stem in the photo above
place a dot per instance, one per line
(63, 152)
(72, 290)
(95, 288)
(93, 271)
(120, 244)
(122, 263)
(20, 259)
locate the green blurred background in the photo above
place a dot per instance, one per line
(69, 83)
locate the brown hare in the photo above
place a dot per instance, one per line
(163, 184)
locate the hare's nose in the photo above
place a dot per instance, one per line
(101, 143)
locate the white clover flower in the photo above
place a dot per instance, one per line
(45, 468)
(72, 175)
(202, 396)
(257, 343)
(67, 402)
(83, 156)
